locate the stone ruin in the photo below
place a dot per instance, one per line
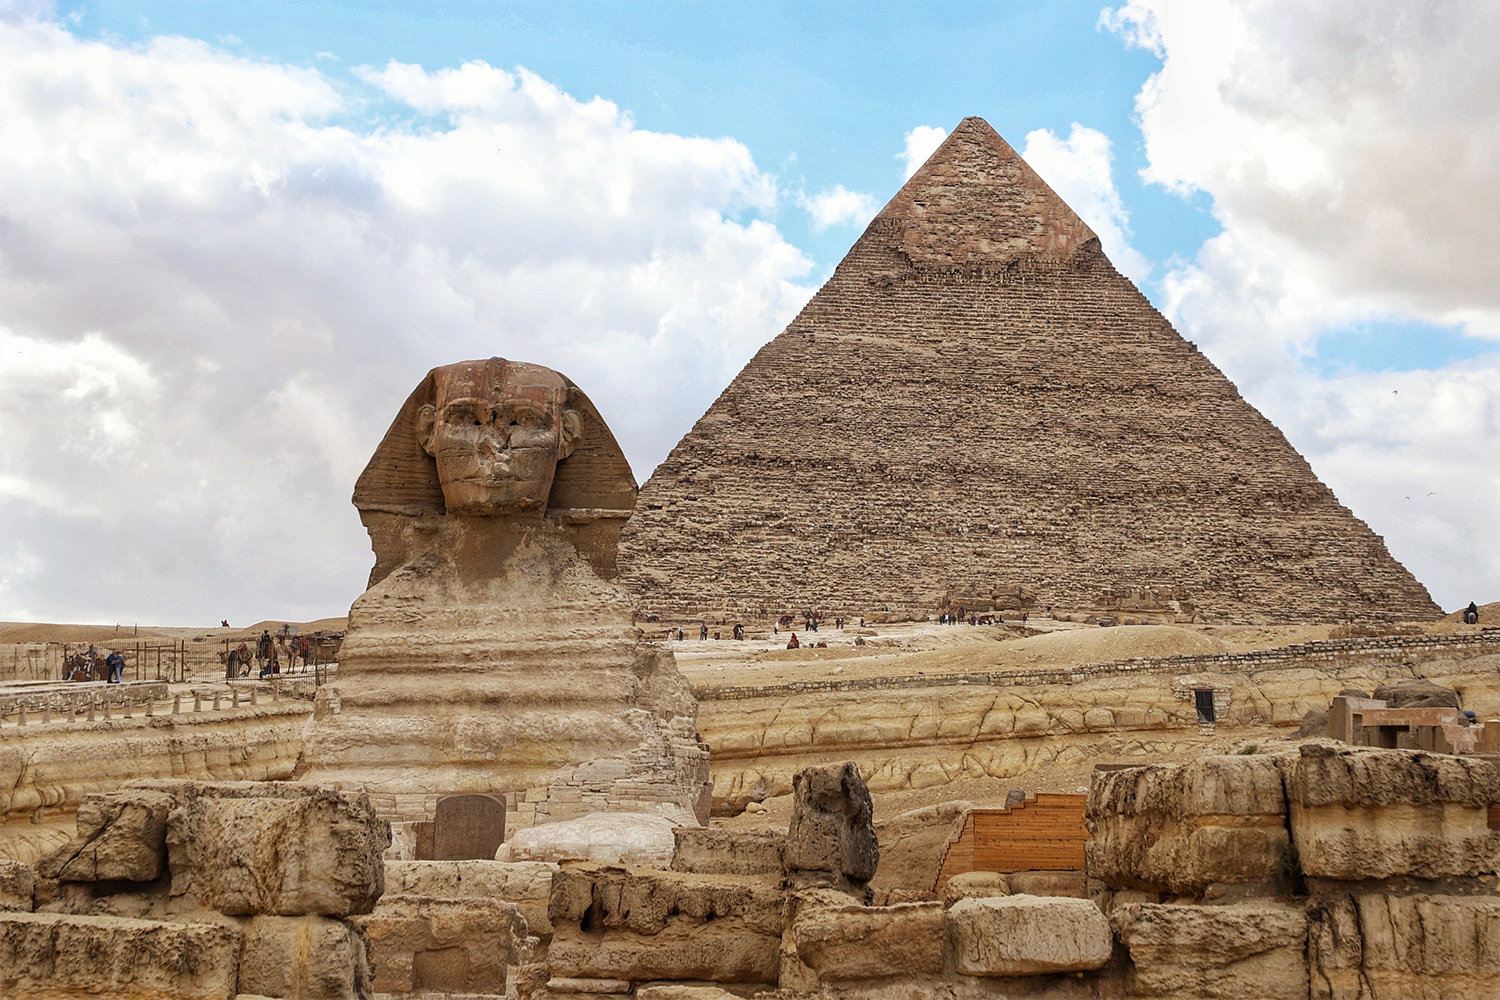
(978, 402)
(492, 653)
(1322, 871)
(190, 890)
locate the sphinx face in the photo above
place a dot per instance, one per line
(497, 437)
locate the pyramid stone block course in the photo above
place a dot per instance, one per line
(977, 400)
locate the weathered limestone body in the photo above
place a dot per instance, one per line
(831, 840)
(1027, 936)
(491, 652)
(1179, 829)
(186, 889)
(997, 412)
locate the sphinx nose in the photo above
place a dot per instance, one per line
(494, 442)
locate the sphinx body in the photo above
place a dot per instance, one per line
(491, 652)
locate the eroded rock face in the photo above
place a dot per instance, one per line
(723, 852)
(17, 887)
(831, 838)
(871, 942)
(635, 925)
(912, 845)
(122, 836)
(975, 885)
(424, 944)
(1405, 946)
(58, 955)
(1417, 693)
(491, 652)
(1180, 828)
(1248, 951)
(1027, 936)
(303, 957)
(1369, 814)
(274, 848)
(528, 884)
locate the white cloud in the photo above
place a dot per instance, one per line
(921, 142)
(213, 300)
(838, 206)
(1352, 152)
(1079, 169)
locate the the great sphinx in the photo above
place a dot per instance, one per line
(492, 652)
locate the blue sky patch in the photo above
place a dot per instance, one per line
(1393, 346)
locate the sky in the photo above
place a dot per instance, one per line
(234, 236)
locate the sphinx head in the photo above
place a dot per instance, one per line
(497, 430)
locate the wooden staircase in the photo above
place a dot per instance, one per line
(1044, 833)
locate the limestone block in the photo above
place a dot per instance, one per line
(274, 848)
(975, 885)
(1248, 951)
(723, 852)
(1361, 813)
(683, 993)
(528, 884)
(1027, 936)
(463, 945)
(640, 924)
(912, 845)
(1049, 883)
(831, 838)
(1416, 693)
(58, 955)
(17, 887)
(121, 836)
(607, 987)
(608, 838)
(1179, 828)
(1405, 946)
(869, 942)
(303, 957)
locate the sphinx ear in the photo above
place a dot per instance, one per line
(426, 426)
(572, 433)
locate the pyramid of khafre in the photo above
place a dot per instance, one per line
(978, 404)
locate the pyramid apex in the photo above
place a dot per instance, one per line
(975, 201)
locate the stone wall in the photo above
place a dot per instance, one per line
(46, 768)
(194, 890)
(1323, 871)
(920, 731)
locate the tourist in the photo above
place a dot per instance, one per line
(703, 632)
(116, 664)
(679, 633)
(793, 643)
(304, 647)
(273, 662)
(264, 647)
(1471, 614)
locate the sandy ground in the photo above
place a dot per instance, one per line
(926, 648)
(103, 635)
